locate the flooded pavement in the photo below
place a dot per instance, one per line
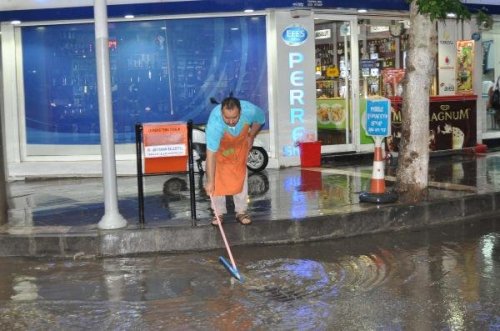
(52, 205)
(59, 216)
(443, 278)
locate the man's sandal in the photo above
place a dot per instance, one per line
(214, 220)
(243, 218)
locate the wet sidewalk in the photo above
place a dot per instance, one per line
(58, 217)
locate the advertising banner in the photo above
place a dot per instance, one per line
(452, 124)
(393, 141)
(165, 147)
(294, 82)
(363, 137)
(447, 56)
(465, 66)
(331, 113)
(392, 82)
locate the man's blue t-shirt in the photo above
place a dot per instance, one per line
(216, 127)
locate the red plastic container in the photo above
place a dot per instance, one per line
(310, 154)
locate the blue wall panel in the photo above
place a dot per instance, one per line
(163, 70)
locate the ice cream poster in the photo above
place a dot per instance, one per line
(465, 66)
(452, 125)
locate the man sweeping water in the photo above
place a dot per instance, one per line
(231, 130)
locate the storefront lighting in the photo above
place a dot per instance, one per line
(451, 15)
(248, 11)
(15, 22)
(129, 16)
(362, 11)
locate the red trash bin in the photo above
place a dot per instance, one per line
(310, 154)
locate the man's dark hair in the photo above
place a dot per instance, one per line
(230, 103)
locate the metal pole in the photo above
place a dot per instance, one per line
(140, 183)
(3, 183)
(191, 172)
(112, 218)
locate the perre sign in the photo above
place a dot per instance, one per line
(293, 36)
(378, 117)
(165, 147)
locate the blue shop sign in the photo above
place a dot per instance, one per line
(41, 11)
(294, 35)
(378, 117)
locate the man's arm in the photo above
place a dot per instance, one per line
(257, 118)
(210, 173)
(254, 130)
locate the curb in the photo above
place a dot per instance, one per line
(381, 218)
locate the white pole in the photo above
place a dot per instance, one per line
(112, 218)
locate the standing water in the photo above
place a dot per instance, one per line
(443, 278)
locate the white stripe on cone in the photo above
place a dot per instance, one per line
(377, 183)
(378, 170)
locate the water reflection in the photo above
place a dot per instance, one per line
(289, 193)
(25, 289)
(443, 278)
(176, 194)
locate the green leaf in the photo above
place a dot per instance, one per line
(438, 9)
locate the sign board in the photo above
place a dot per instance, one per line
(378, 117)
(323, 34)
(296, 92)
(294, 35)
(447, 56)
(165, 147)
(367, 66)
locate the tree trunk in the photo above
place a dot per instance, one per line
(413, 164)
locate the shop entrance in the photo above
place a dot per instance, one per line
(351, 67)
(337, 82)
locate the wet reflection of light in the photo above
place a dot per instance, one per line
(304, 269)
(456, 316)
(298, 200)
(290, 183)
(452, 298)
(487, 243)
(25, 289)
(306, 277)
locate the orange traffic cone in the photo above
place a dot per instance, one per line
(377, 192)
(377, 183)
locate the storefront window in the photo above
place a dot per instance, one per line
(490, 43)
(381, 51)
(333, 72)
(164, 70)
(382, 69)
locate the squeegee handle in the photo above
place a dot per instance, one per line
(223, 234)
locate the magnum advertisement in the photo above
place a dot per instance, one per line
(452, 124)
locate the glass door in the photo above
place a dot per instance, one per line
(337, 82)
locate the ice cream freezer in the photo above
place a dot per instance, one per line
(452, 122)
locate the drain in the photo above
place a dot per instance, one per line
(283, 294)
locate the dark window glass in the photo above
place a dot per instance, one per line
(164, 70)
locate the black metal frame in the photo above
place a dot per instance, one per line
(140, 174)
